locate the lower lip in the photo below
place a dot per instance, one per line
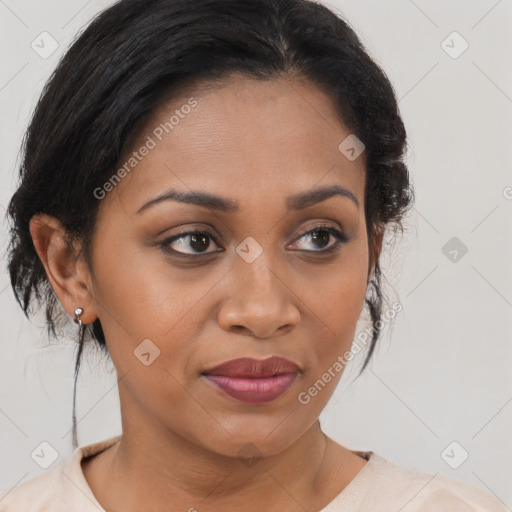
(253, 391)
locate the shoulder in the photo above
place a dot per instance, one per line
(63, 487)
(36, 494)
(414, 491)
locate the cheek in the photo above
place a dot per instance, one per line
(140, 296)
(148, 319)
(138, 291)
(335, 296)
(336, 311)
(335, 292)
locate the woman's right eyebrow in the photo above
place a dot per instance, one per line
(203, 199)
(298, 201)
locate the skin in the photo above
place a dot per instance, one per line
(254, 142)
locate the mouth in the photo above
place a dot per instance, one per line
(253, 381)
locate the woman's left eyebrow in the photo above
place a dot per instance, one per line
(298, 201)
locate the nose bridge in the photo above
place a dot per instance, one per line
(257, 300)
(254, 271)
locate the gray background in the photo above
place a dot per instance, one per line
(442, 372)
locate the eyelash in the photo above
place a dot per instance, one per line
(339, 236)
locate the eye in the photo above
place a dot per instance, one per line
(323, 239)
(189, 243)
(320, 237)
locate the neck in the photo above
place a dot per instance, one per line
(152, 467)
(178, 471)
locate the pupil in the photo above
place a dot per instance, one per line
(322, 238)
(199, 242)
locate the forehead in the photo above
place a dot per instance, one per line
(244, 138)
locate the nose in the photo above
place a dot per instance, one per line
(259, 302)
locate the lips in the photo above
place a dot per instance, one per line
(254, 368)
(253, 381)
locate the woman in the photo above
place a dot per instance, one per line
(205, 189)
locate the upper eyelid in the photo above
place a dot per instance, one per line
(303, 232)
(313, 228)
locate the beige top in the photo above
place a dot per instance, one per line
(380, 486)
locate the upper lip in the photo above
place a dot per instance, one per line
(248, 367)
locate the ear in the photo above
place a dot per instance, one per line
(68, 273)
(376, 249)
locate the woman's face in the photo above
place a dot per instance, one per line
(267, 279)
